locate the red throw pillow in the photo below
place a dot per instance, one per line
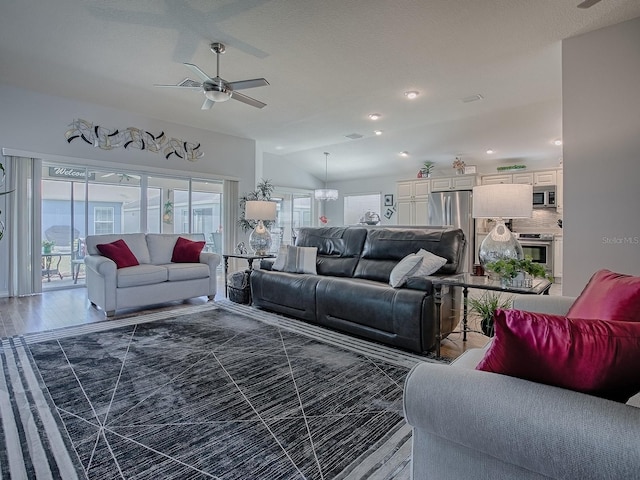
(119, 252)
(187, 251)
(597, 357)
(609, 296)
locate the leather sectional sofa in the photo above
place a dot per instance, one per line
(351, 290)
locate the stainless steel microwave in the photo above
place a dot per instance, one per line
(544, 197)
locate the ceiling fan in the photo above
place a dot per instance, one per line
(217, 89)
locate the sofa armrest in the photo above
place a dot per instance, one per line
(211, 259)
(103, 266)
(554, 305)
(555, 432)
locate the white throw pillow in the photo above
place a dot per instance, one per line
(407, 267)
(281, 259)
(301, 260)
(431, 263)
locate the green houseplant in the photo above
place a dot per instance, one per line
(427, 168)
(509, 268)
(263, 191)
(485, 306)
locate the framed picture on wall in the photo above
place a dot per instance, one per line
(388, 200)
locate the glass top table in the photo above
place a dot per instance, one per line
(539, 286)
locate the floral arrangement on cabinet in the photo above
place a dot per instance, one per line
(459, 165)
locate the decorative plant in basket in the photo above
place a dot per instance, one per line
(485, 306)
(427, 168)
(263, 191)
(510, 268)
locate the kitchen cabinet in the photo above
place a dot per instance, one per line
(559, 190)
(544, 179)
(538, 179)
(557, 258)
(496, 179)
(462, 182)
(413, 200)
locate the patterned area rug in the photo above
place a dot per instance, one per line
(220, 391)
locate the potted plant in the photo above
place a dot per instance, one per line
(508, 269)
(47, 245)
(485, 306)
(427, 168)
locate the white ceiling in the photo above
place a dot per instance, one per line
(329, 64)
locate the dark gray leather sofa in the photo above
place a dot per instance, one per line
(351, 291)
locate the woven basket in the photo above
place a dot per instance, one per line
(238, 288)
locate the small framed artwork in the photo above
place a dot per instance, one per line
(469, 169)
(388, 200)
(389, 213)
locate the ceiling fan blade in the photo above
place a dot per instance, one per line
(248, 100)
(207, 104)
(242, 84)
(179, 86)
(588, 3)
(196, 70)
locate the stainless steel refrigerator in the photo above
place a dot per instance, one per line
(453, 209)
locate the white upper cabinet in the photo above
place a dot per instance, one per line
(541, 178)
(526, 178)
(544, 178)
(497, 179)
(412, 203)
(462, 182)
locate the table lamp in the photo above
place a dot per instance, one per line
(260, 210)
(499, 202)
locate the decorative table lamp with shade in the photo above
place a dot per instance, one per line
(260, 238)
(499, 202)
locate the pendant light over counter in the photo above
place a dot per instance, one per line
(322, 194)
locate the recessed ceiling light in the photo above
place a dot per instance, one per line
(378, 132)
(557, 142)
(374, 116)
(404, 153)
(411, 94)
(490, 151)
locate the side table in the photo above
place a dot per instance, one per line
(247, 256)
(441, 286)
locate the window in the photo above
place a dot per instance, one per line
(356, 206)
(103, 220)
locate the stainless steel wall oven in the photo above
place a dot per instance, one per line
(538, 247)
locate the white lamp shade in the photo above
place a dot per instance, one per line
(503, 201)
(260, 210)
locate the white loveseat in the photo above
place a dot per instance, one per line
(155, 280)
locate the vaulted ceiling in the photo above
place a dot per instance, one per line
(329, 63)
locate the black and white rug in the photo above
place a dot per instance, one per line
(220, 391)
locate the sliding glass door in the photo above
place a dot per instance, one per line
(80, 201)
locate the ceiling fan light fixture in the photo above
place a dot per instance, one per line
(217, 93)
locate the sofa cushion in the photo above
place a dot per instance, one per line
(609, 296)
(300, 260)
(141, 275)
(430, 263)
(405, 268)
(278, 264)
(385, 247)
(187, 251)
(339, 248)
(136, 242)
(161, 247)
(119, 252)
(186, 271)
(597, 357)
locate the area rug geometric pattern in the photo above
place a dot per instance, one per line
(222, 392)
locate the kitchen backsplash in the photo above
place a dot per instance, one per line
(543, 219)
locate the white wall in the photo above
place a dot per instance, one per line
(601, 133)
(37, 123)
(283, 173)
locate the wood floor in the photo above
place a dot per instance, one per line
(63, 308)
